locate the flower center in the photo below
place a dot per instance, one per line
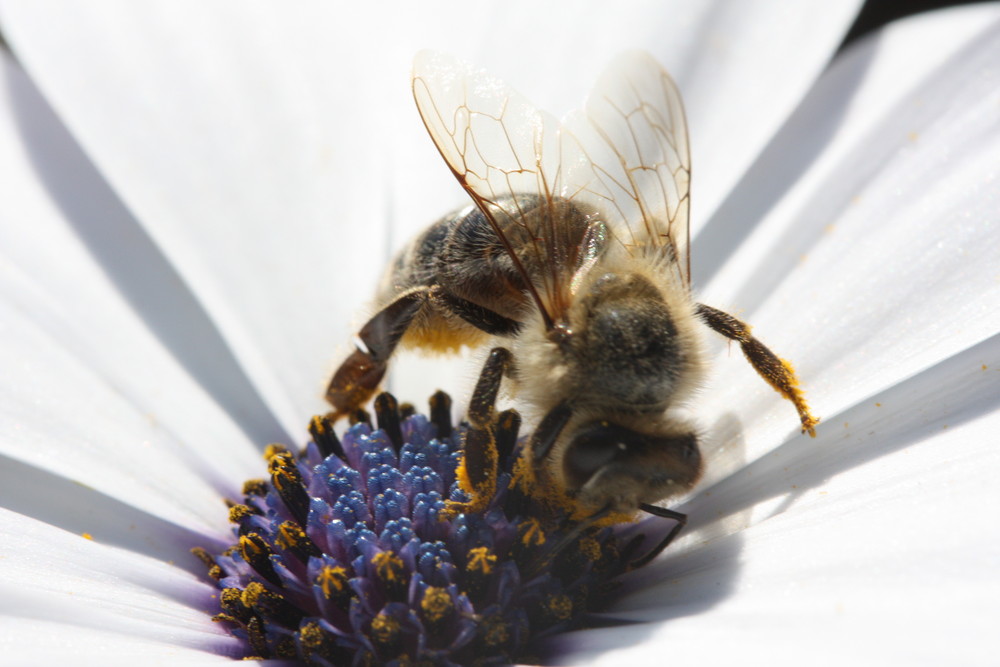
(348, 555)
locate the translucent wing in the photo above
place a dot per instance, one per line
(626, 157)
(635, 136)
(511, 158)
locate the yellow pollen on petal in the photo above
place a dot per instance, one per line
(284, 474)
(252, 546)
(230, 597)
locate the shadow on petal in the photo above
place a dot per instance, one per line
(70, 506)
(145, 278)
(794, 148)
(954, 391)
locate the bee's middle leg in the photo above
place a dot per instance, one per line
(359, 376)
(477, 473)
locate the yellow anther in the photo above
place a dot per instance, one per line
(311, 635)
(532, 534)
(252, 593)
(385, 629)
(238, 513)
(590, 548)
(290, 535)
(388, 566)
(559, 606)
(332, 580)
(481, 559)
(435, 604)
(495, 631)
(273, 450)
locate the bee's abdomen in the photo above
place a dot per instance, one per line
(474, 265)
(463, 256)
(416, 263)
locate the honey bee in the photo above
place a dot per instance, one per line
(575, 254)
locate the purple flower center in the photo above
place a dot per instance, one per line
(349, 555)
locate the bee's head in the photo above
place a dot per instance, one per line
(606, 464)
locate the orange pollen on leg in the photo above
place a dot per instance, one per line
(793, 393)
(480, 494)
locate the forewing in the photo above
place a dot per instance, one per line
(510, 157)
(635, 137)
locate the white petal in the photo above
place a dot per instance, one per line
(262, 148)
(62, 417)
(861, 87)
(60, 592)
(22, 638)
(90, 391)
(882, 260)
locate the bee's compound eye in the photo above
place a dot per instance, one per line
(598, 444)
(592, 448)
(618, 451)
(689, 449)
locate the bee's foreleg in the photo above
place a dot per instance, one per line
(540, 445)
(777, 372)
(548, 431)
(681, 521)
(477, 473)
(360, 374)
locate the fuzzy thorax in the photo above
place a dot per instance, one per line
(633, 344)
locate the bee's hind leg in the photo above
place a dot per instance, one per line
(478, 316)
(477, 473)
(360, 374)
(777, 372)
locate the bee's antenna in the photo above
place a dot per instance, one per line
(665, 513)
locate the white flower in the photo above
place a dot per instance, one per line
(186, 190)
